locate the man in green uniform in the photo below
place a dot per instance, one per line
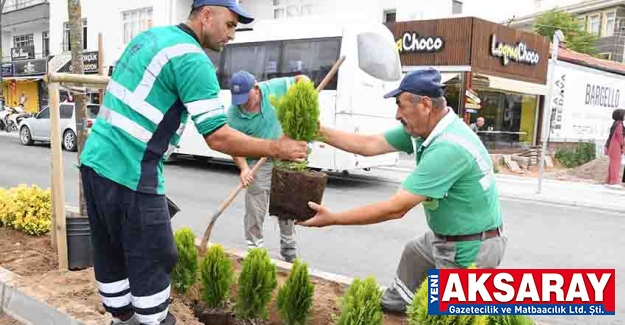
(162, 79)
(453, 179)
(252, 113)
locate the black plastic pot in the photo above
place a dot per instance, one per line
(79, 248)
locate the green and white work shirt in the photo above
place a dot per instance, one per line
(455, 173)
(162, 78)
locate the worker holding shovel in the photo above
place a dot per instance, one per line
(162, 78)
(252, 113)
(453, 179)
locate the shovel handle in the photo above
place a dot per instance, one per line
(225, 204)
(330, 74)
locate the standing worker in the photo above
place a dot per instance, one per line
(453, 180)
(252, 113)
(162, 78)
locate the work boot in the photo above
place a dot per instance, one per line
(169, 320)
(129, 321)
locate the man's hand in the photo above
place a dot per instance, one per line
(246, 177)
(323, 218)
(289, 149)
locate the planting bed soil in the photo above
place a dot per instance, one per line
(6, 320)
(75, 292)
(292, 190)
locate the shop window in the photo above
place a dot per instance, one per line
(379, 62)
(313, 58)
(610, 23)
(509, 119)
(66, 38)
(135, 22)
(264, 66)
(67, 111)
(594, 25)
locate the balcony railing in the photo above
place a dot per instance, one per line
(21, 4)
(37, 56)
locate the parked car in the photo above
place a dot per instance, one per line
(38, 128)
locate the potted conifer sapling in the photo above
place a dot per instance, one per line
(293, 184)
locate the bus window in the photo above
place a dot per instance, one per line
(313, 58)
(261, 60)
(381, 62)
(214, 56)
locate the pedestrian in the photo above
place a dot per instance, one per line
(162, 78)
(453, 180)
(614, 148)
(251, 112)
(479, 123)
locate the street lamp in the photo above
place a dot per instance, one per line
(546, 127)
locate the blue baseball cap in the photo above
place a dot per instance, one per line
(426, 82)
(244, 18)
(240, 85)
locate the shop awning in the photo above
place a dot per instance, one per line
(515, 85)
(23, 78)
(446, 76)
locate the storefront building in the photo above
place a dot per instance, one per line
(22, 79)
(491, 71)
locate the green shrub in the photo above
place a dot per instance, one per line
(418, 312)
(574, 157)
(257, 281)
(27, 209)
(298, 114)
(296, 296)
(361, 304)
(509, 320)
(216, 274)
(184, 274)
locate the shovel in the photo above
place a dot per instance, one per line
(236, 191)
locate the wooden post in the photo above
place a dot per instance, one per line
(101, 63)
(58, 188)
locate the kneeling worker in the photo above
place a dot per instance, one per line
(252, 114)
(453, 179)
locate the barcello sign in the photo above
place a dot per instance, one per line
(583, 102)
(411, 42)
(519, 53)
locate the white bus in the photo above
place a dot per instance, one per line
(353, 101)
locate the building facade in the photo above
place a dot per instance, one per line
(484, 77)
(602, 18)
(25, 50)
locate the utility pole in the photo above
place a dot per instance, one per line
(76, 43)
(1, 53)
(547, 112)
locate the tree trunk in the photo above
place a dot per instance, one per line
(1, 55)
(76, 42)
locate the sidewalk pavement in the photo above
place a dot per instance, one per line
(563, 193)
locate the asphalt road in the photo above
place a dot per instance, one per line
(539, 236)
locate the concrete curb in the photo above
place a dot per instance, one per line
(285, 266)
(21, 304)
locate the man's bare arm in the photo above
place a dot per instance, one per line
(237, 144)
(365, 145)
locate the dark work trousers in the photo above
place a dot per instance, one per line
(133, 247)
